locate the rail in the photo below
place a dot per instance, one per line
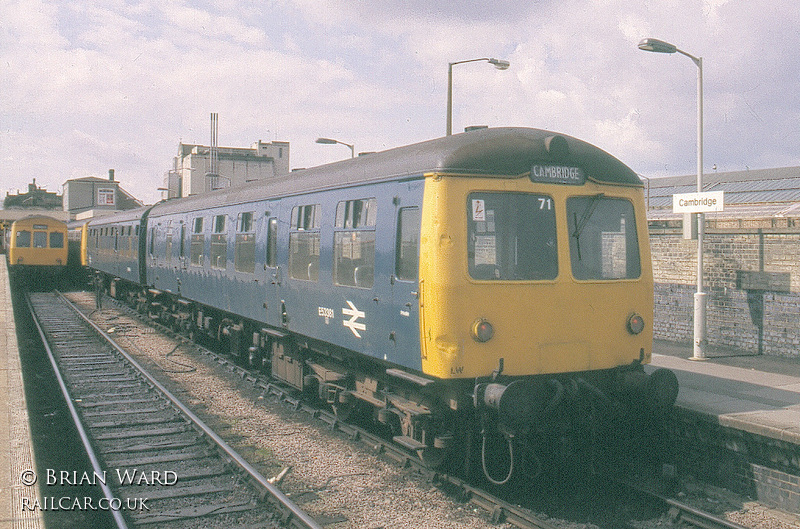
(292, 514)
(682, 511)
(119, 520)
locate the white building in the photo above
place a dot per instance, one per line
(193, 171)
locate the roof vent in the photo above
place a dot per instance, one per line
(475, 127)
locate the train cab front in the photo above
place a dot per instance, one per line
(538, 297)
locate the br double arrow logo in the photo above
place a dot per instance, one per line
(353, 324)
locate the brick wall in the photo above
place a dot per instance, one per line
(754, 320)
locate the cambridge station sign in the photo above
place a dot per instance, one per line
(697, 202)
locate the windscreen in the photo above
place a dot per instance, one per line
(511, 237)
(602, 242)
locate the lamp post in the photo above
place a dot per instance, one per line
(498, 63)
(659, 46)
(330, 141)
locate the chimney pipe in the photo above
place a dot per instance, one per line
(110, 175)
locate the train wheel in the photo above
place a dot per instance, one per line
(390, 421)
(352, 409)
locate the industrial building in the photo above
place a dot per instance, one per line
(200, 169)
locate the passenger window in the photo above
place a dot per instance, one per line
(354, 243)
(272, 243)
(244, 256)
(407, 248)
(304, 243)
(197, 244)
(306, 217)
(219, 244)
(356, 213)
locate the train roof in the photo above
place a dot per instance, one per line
(43, 218)
(484, 152)
(76, 224)
(121, 216)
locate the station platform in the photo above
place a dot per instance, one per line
(738, 420)
(16, 448)
(755, 393)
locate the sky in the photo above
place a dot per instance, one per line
(87, 86)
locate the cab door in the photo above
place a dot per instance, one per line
(405, 287)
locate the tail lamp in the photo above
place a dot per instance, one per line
(635, 323)
(482, 330)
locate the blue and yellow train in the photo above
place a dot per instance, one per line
(485, 285)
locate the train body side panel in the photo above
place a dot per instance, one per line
(379, 318)
(113, 244)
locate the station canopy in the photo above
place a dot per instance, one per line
(756, 194)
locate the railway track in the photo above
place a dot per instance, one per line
(154, 460)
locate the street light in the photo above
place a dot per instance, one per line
(498, 63)
(659, 46)
(330, 141)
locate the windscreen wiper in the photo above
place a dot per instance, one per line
(580, 224)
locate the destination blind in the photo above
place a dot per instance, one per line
(557, 174)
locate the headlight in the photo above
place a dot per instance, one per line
(635, 324)
(482, 331)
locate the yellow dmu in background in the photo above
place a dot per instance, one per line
(37, 247)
